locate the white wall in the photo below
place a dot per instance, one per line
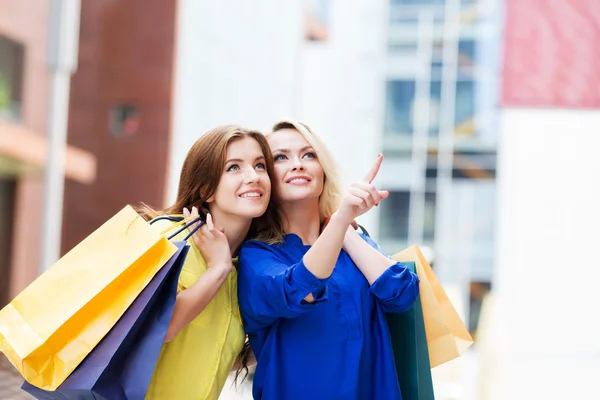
(546, 280)
(236, 62)
(343, 87)
(247, 62)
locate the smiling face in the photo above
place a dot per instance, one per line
(298, 172)
(244, 188)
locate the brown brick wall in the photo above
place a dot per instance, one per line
(126, 57)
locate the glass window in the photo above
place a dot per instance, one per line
(400, 99)
(11, 75)
(395, 213)
(124, 120)
(7, 208)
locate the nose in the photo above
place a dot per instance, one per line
(297, 166)
(251, 176)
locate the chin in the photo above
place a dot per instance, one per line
(252, 212)
(297, 195)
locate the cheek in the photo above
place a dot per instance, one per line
(226, 190)
(279, 172)
(266, 182)
(317, 171)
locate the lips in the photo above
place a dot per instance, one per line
(251, 194)
(298, 180)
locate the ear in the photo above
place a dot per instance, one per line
(209, 200)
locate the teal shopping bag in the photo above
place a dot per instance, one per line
(409, 344)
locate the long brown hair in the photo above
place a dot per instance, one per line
(202, 170)
(199, 179)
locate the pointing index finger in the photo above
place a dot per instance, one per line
(374, 169)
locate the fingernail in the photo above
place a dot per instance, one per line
(185, 210)
(379, 155)
(377, 205)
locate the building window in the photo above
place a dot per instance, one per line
(124, 120)
(400, 101)
(11, 79)
(394, 216)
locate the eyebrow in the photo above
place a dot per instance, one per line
(240, 160)
(287, 150)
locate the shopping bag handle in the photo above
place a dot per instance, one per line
(180, 220)
(364, 231)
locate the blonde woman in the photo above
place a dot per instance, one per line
(313, 300)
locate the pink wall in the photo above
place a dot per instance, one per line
(552, 54)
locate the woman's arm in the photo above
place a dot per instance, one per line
(270, 288)
(192, 301)
(369, 260)
(362, 196)
(394, 285)
(214, 249)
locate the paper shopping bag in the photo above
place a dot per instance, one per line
(447, 336)
(121, 366)
(50, 327)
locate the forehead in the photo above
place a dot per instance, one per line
(287, 139)
(243, 148)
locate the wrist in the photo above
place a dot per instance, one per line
(341, 219)
(221, 267)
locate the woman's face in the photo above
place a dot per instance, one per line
(298, 172)
(245, 188)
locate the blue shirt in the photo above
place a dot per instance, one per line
(335, 348)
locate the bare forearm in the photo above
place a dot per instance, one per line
(322, 256)
(192, 301)
(369, 261)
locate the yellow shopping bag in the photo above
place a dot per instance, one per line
(50, 327)
(447, 336)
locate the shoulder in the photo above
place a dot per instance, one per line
(258, 257)
(254, 248)
(194, 260)
(168, 227)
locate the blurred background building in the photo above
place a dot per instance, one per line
(487, 112)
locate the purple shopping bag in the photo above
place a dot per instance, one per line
(121, 366)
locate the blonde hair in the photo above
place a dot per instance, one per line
(330, 198)
(272, 231)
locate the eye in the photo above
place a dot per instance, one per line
(279, 157)
(233, 167)
(310, 154)
(261, 166)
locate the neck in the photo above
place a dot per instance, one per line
(302, 219)
(236, 229)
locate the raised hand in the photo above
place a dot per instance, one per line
(211, 242)
(362, 195)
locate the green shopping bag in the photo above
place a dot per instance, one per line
(409, 344)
